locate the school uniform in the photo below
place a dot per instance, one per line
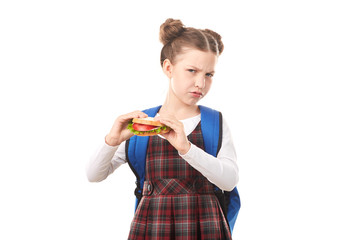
(178, 197)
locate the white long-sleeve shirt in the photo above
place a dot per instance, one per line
(221, 170)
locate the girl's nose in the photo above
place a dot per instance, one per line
(200, 82)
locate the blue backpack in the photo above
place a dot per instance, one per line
(211, 127)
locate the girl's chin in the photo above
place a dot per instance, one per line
(193, 101)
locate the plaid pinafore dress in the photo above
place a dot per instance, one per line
(178, 201)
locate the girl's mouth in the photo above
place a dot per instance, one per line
(196, 94)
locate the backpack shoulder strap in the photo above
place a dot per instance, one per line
(135, 149)
(211, 128)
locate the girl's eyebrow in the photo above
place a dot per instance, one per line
(190, 66)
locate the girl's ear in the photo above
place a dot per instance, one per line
(167, 68)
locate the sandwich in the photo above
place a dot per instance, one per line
(147, 127)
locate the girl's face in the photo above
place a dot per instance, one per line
(191, 75)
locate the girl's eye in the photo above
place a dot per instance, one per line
(191, 70)
(209, 75)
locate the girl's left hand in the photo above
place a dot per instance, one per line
(176, 136)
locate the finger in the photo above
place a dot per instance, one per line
(169, 122)
(169, 135)
(176, 125)
(165, 135)
(135, 114)
(138, 114)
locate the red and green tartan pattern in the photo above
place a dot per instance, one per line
(180, 203)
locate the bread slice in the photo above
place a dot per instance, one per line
(148, 121)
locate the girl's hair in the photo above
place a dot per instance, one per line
(175, 37)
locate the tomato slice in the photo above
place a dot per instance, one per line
(143, 127)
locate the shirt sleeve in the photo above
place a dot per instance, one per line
(221, 170)
(104, 161)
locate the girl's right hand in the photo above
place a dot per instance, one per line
(119, 131)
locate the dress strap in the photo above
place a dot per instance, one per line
(173, 186)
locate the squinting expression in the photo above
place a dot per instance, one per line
(192, 74)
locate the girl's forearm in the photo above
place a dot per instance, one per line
(222, 171)
(100, 165)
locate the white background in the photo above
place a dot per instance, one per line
(287, 83)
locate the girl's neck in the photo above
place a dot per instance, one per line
(180, 110)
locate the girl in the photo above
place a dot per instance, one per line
(176, 160)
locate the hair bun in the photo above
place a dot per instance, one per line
(217, 37)
(170, 30)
